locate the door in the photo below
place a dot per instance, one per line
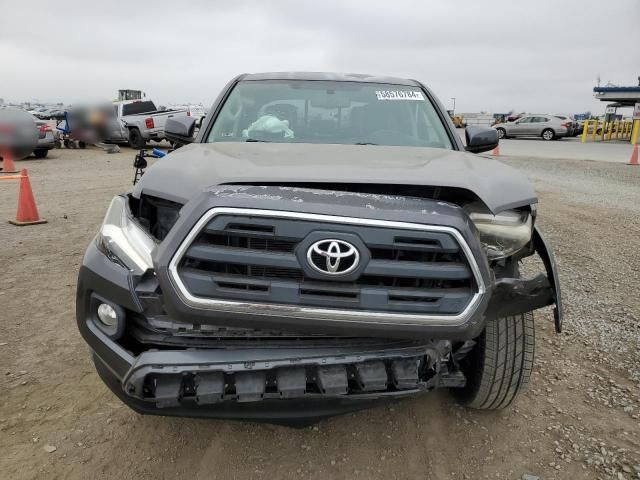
(522, 126)
(118, 130)
(538, 124)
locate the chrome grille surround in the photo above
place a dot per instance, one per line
(316, 313)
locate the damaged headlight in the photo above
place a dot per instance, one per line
(503, 234)
(124, 241)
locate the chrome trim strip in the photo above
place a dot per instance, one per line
(314, 313)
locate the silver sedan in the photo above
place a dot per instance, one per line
(548, 127)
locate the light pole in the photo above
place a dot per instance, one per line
(454, 104)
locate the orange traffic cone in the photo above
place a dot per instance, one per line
(496, 151)
(27, 211)
(634, 156)
(7, 161)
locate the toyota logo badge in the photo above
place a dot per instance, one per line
(333, 257)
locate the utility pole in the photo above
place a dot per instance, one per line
(454, 104)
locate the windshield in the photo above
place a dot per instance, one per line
(298, 111)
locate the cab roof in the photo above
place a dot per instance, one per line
(329, 76)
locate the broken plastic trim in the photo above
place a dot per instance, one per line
(542, 248)
(204, 377)
(515, 296)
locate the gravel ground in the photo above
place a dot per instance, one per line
(579, 419)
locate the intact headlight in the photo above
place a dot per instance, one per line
(504, 234)
(122, 240)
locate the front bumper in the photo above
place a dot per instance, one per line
(180, 372)
(217, 380)
(296, 412)
(261, 384)
(227, 383)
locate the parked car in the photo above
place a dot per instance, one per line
(46, 139)
(548, 127)
(325, 242)
(573, 125)
(56, 114)
(43, 114)
(40, 112)
(49, 114)
(139, 121)
(18, 132)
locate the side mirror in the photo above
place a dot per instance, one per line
(480, 139)
(180, 130)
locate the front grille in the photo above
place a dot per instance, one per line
(260, 259)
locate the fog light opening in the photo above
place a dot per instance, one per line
(107, 315)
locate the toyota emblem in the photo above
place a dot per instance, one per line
(333, 257)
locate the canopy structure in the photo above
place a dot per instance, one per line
(621, 96)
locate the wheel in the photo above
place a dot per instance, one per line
(66, 143)
(41, 153)
(548, 134)
(499, 366)
(502, 133)
(135, 139)
(82, 145)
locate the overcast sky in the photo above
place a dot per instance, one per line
(536, 56)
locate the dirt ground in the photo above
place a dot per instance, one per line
(579, 419)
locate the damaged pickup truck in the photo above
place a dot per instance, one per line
(325, 242)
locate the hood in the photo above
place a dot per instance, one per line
(189, 170)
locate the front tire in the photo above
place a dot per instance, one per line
(40, 153)
(502, 133)
(548, 134)
(499, 366)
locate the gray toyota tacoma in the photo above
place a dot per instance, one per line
(324, 242)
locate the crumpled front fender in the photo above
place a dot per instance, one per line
(514, 296)
(542, 248)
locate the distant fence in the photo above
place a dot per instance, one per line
(600, 131)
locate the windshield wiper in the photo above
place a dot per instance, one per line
(365, 143)
(257, 140)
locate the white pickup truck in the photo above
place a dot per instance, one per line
(139, 121)
(196, 111)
